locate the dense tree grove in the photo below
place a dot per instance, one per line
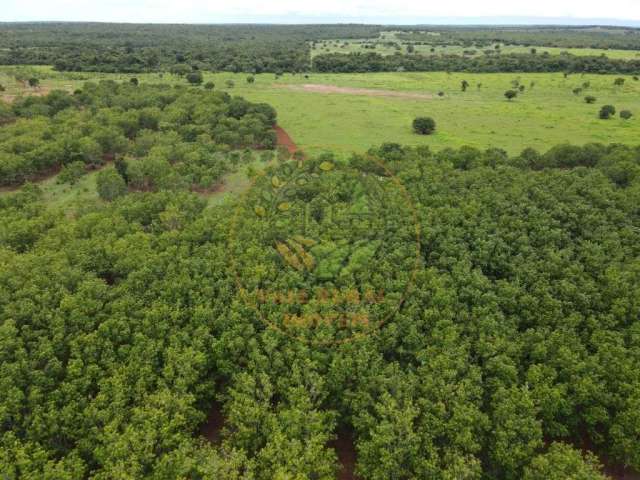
(623, 38)
(170, 135)
(513, 62)
(129, 48)
(517, 345)
(146, 48)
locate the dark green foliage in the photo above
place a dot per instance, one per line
(120, 325)
(424, 125)
(510, 94)
(618, 82)
(251, 79)
(626, 114)
(195, 77)
(181, 127)
(209, 86)
(374, 62)
(606, 112)
(590, 99)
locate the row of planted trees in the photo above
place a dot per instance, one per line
(514, 352)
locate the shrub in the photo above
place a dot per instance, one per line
(195, 78)
(510, 94)
(110, 184)
(229, 83)
(251, 79)
(607, 111)
(590, 99)
(424, 125)
(209, 85)
(626, 114)
(618, 82)
(71, 173)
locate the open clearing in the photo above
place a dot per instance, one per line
(367, 92)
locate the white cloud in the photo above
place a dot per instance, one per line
(208, 11)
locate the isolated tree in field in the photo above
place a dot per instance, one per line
(618, 82)
(521, 88)
(195, 78)
(636, 78)
(209, 86)
(230, 83)
(577, 91)
(626, 114)
(110, 184)
(134, 81)
(410, 49)
(510, 94)
(34, 82)
(464, 85)
(2, 89)
(607, 111)
(533, 51)
(251, 79)
(424, 125)
(590, 99)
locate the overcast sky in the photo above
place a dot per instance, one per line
(296, 11)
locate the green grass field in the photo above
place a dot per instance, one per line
(544, 115)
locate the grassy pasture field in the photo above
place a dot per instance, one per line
(547, 113)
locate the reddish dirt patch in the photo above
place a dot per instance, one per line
(34, 92)
(346, 451)
(369, 92)
(212, 428)
(285, 140)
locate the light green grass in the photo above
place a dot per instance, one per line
(547, 114)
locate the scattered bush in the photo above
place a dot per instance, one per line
(607, 111)
(590, 99)
(209, 86)
(510, 94)
(424, 125)
(626, 114)
(195, 78)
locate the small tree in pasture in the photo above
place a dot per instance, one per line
(607, 111)
(424, 125)
(510, 94)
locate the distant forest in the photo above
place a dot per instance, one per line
(130, 48)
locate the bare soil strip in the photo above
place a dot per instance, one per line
(369, 92)
(346, 451)
(213, 426)
(285, 140)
